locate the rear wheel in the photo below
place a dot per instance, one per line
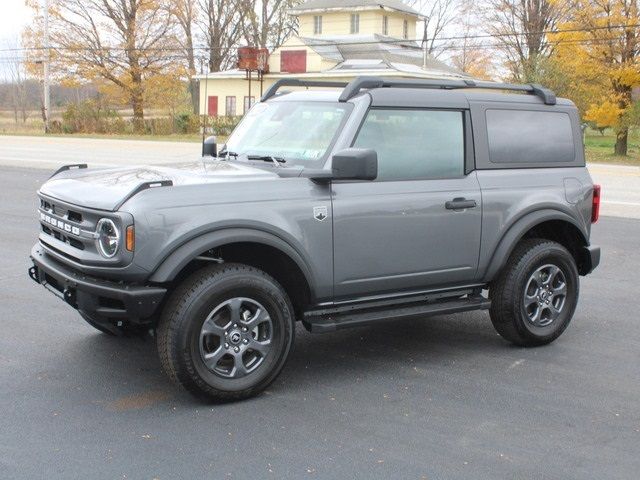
(226, 332)
(535, 296)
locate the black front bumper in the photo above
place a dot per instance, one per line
(102, 300)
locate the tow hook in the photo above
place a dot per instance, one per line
(33, 274)
(70, 297)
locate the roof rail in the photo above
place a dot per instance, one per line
(360, 83)
(296, 82)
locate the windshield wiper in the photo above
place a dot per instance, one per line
(277, 161)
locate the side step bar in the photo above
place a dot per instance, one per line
(337, 321)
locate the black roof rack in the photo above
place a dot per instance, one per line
(359, 83)
(352, 88)
(296, 82)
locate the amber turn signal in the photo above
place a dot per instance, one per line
(131, 238)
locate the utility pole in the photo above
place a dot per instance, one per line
(47, 58)
(424, 46)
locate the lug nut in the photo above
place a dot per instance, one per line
(244, 329)
(235, 325)
(236, 349)
(226, 345)
(245, 341)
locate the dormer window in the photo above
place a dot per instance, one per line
(405, 29)
(385, 25)
(355, 23)
(317, 24)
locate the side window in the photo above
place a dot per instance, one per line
(520, 136)
(415, 144)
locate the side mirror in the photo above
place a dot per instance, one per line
(209, 147)
(355, 164)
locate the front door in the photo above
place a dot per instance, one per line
(418, 225)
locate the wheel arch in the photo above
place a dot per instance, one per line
(548, 224)
(249, 246)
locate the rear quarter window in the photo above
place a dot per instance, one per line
(529, 137)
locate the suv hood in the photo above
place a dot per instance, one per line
(106, 189)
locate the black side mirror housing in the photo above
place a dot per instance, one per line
(209, 147)
(355, 164)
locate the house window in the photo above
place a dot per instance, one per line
(230, 107)
(405, 29)
(317, 24)
(385, 25)
(355, 23)
(248, 103)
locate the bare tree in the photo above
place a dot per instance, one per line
(267, 23)
(221, 26)
(121, 41)
(519, 27)
(16, 80)
(186, 15)
(439, 15)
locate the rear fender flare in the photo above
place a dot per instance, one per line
(515, 233)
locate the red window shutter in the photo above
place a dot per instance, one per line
(212, 106)
(293, 61)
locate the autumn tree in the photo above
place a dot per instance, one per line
(605, 35)
(520, 29)
(469, 54)
(123, 42)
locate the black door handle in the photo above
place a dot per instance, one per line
(459, 204)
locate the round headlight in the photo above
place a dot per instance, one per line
(107, 237)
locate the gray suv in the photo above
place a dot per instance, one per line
(383, 200)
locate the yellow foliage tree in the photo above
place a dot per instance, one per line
(597, 57)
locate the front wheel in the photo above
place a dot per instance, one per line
(226, 332)
(534, 297)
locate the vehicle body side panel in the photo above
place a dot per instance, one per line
(279, 208)
(508, 196)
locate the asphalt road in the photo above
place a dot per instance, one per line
(620, 184)
(443, 398)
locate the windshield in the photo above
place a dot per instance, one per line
(298, 132)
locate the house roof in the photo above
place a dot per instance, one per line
(372, 48)
(323, 5)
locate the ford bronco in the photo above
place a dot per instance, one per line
(380, 200)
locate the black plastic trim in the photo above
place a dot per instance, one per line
(73, 166)
(360, 83)
(296, 82)
(85, 293)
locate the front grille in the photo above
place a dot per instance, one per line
(68, 232)
(68, 228)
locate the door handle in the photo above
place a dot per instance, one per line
(459, 204)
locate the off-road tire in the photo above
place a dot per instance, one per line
(186, 311)
(507, 293)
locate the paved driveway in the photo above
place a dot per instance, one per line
(443, 398)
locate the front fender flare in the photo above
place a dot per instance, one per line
(181, 256)
(517, 230)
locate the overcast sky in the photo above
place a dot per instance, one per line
(13, 17)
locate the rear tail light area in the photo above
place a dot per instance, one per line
(595, 204)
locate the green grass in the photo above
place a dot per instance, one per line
(599, 149)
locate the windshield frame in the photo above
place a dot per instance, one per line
(296, 162)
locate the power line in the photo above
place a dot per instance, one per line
(319, 41)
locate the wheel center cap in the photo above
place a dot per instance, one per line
(543, 295)
(235, 337)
